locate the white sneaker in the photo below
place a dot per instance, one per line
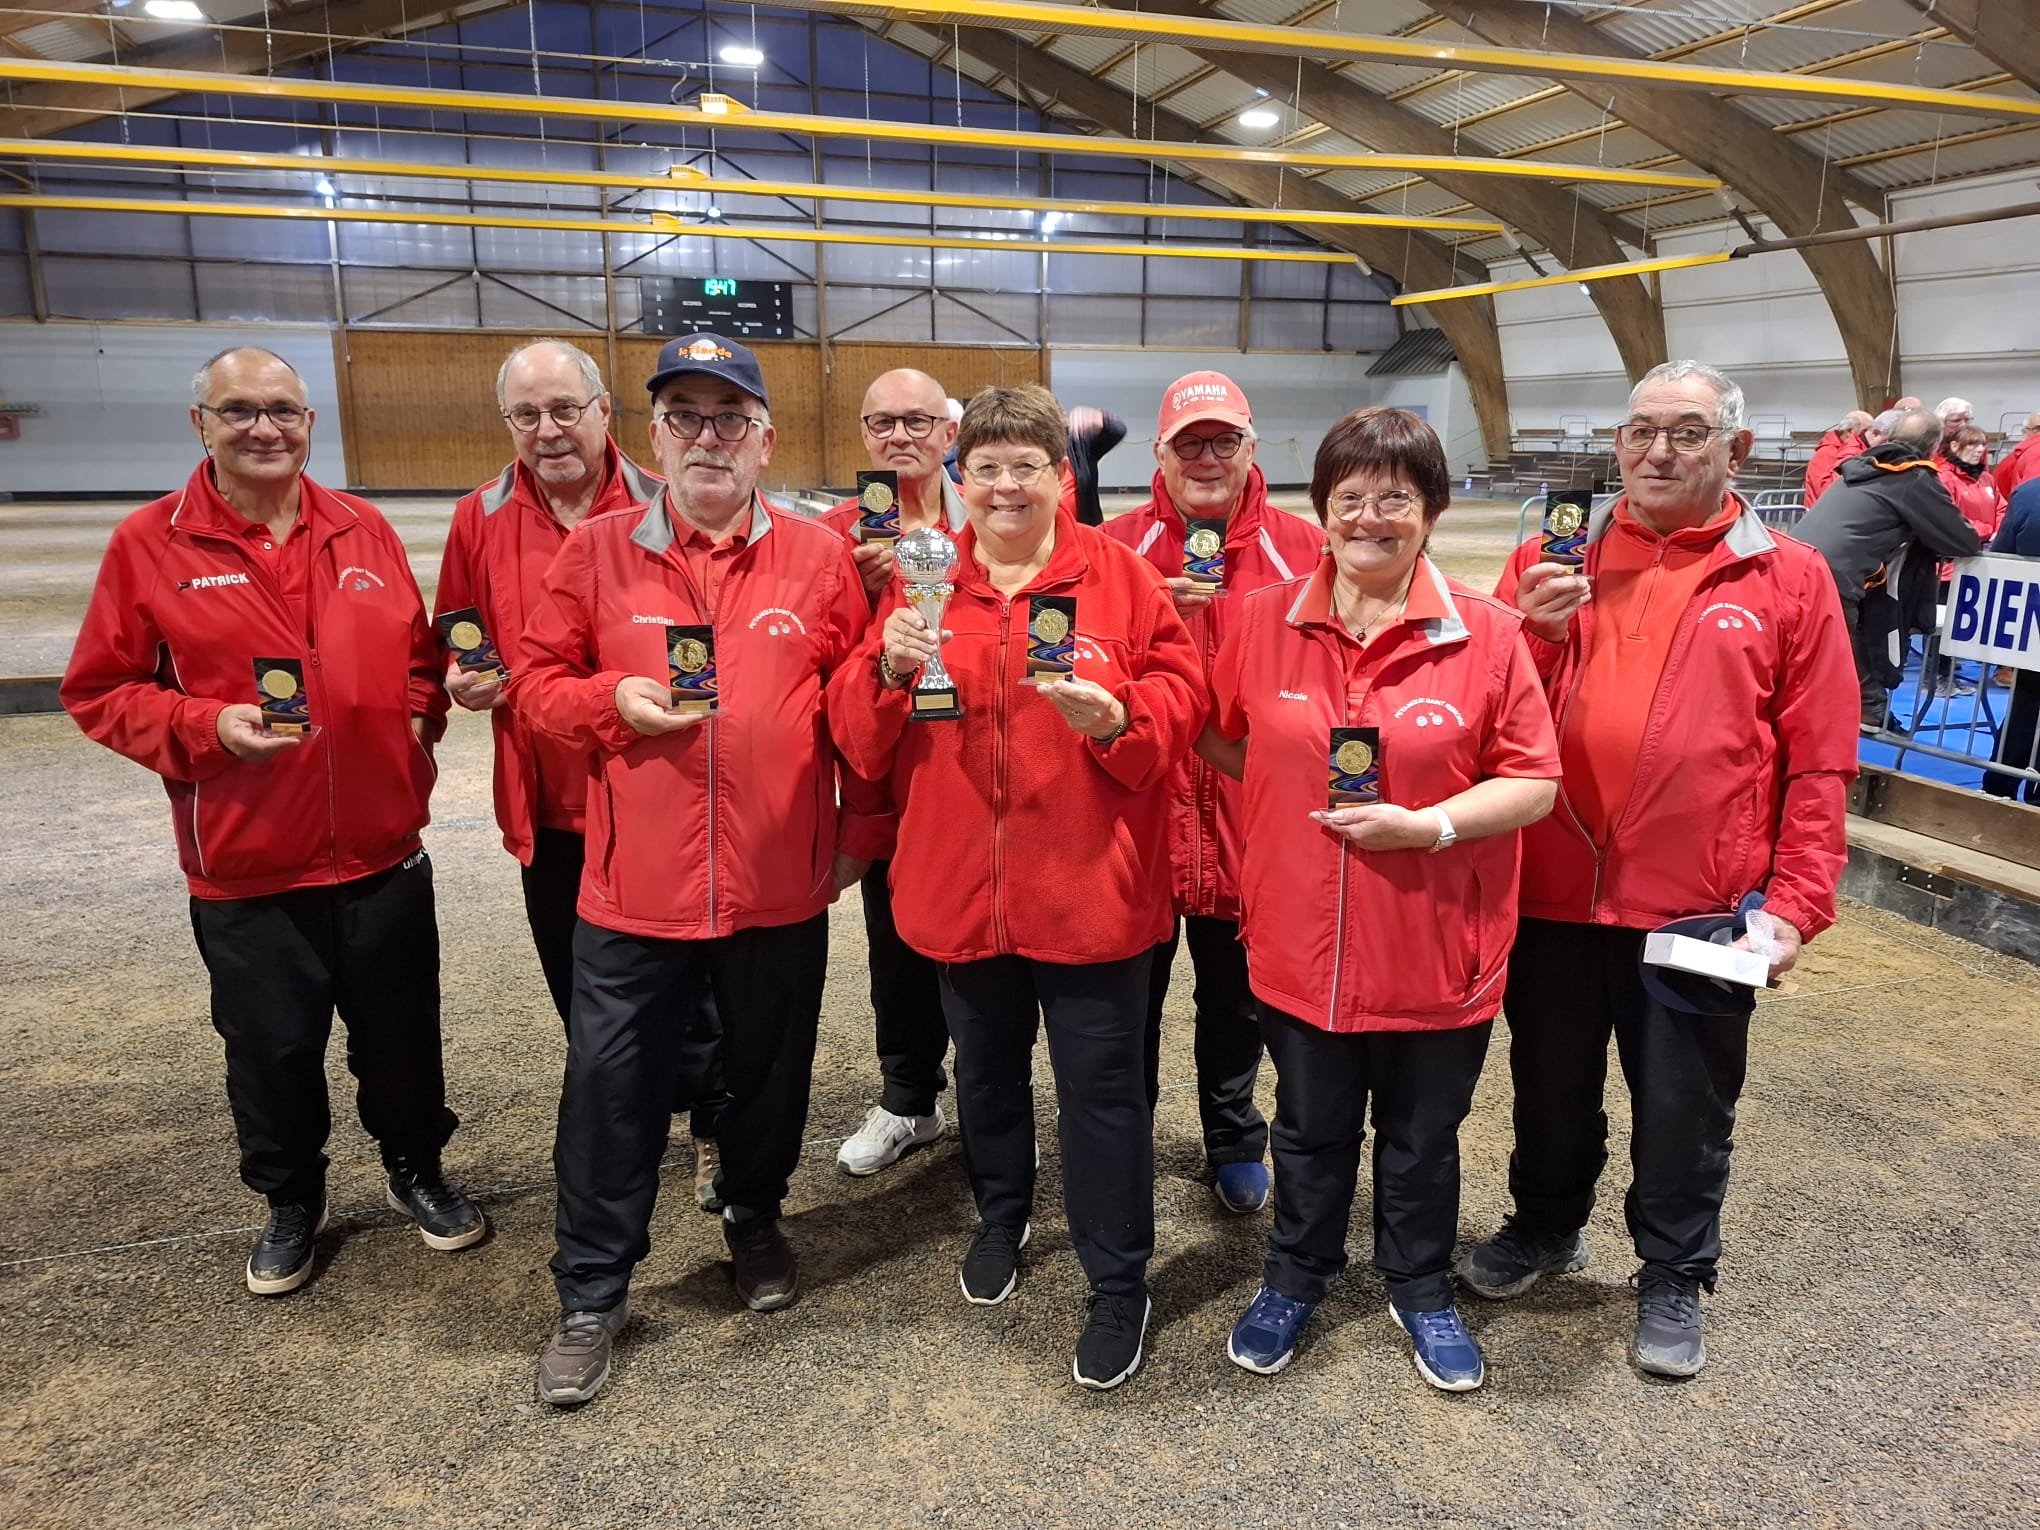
(883, 1138)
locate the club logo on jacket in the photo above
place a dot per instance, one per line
(353, 578)
(211, 581)
(779, 622)
(1430, 712)
(1727, 617)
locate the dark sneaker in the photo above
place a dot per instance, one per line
(991, 1265)
(1241, 1187)
(707, 1164)
(1264, 1339)
(1668, 1339)
(576, 1362)
(282, 1257)
(446, 1219)
(1513, 1260)
(1108, 1350)
(1445, 1353)
(761, 1263)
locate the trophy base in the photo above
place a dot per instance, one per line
(292, 730)
(934, 705)
(489, 675)
(694, 706)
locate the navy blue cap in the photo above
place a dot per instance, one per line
(712, 356)
(1690, 993)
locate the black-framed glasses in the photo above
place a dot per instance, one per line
(1636, 437)
(525, 417)
(1395, 505)
(879, 426)
(244, 416)
(986, 475)
(731, 426)
(1190, 448)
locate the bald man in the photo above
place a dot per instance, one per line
(907, 429)
(1836, 447)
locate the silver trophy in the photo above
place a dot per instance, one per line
(926, 559)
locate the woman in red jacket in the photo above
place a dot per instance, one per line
(1961, 462)
(1032, 859)
(1400, 739)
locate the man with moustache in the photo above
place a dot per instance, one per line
(505, 535)
(907, 429)
(714, 842)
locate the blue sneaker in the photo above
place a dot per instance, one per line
(1445, 1353)
(1242, 1187)
(1264, 1339)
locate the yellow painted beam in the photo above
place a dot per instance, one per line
(1584, 274)
(344, 93)
(662, 224)
(684, 178)
(1219, 32)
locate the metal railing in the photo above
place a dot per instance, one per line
(1966, 723)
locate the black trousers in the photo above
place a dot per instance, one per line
(906, 1003)
(280, 966)
(1422, 1086)
(2015, 742)
(1570, 986)
(552, 888)
(1226, 1043)
(1872, 616)
(1093, 1015)
(632, 995)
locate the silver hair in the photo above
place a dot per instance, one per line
(1917, 428)
(1949, 406)
(591, 374)
(201, 380)
(1884, 422)
(1728, 397)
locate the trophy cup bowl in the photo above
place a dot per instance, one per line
(926, 558)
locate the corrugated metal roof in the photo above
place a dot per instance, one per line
(68, 41)
(1419, 353)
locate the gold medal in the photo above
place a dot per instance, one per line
(690, 655)
(1205, 543)
(1353, 758)
(1051, 625)
(464, 636)
(877, 498)
(1565, 519)
(279, 683)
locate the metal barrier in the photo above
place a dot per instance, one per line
(1778, 508)
(1959, 717)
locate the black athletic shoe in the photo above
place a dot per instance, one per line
(446, 1219)
(1108, 1351)
(762, 1266)
(991, 1265)
(1668, 1341)
(282, 1258)
(1513, 1260)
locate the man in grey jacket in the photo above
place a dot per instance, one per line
(1888, 502)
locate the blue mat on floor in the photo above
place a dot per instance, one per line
(1946, 725)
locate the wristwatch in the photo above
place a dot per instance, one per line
(1447, 835)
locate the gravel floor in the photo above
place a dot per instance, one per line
(1873, 1345)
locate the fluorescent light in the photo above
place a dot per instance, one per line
(1049, 220)
(742, 57)
(324, 187)
(174, 10)
(1258, 117)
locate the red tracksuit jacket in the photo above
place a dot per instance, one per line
(502, 541)
(1017, 835)
(182, 609)
(733, 823)
(1263, 546)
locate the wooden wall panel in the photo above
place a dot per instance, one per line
(419, 408)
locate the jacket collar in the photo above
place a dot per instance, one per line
(655, 532)
(202, 510)
(1746, 537)
(1067, 561)
(1431, 610)
(623, 483)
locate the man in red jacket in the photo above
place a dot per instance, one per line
(2021, 462)
(1707, 730)
(714, 842)
(309, 889)
(1836, 447)
(1205, 473)
(504, 537)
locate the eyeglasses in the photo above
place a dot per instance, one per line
(686, 424)
(987, 474)
(1684, 438)
(916, 425)
(244, 416)
(1395, 505)
(525, 417)
(1190, 448)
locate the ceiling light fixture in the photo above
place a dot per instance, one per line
(1257, 117)
(742, 57)
(174, 10)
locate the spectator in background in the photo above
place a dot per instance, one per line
(1954, 414)
(1093, 433)
(2019, 533)
(2022, 463)
(1836, 447)
(1908, 402)
(1889, 499)
(1961, 461)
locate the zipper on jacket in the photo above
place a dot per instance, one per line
(709, 742)
(1338, 945)
(999, 774)
(332, 788)
(1558, 730)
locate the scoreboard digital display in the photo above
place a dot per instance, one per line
(723, 305)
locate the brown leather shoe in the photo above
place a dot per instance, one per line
(707, 1162)
(761, 1263)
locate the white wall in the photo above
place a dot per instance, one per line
(1969, 324)
(1296, 398)
(116, 402)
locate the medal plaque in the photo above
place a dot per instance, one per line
(1051, 636)
(878, 507)
(690, 669)
(1354, 767)
(280, 692)
(1204, 552)
(1565, 526)
(470, 644)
